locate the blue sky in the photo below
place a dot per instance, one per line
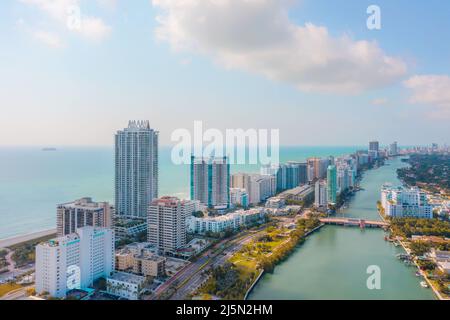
(237, 67)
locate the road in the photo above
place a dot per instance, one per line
(196, 278)
(187, 271)
(14, 272)
(19, 294)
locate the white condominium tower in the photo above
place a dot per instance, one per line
(210, 181)
(80, 213)
(166, 223)
(74, 261)
(403, 202)
(136, 178)
(259, 187)
(321, 194)
(393, 149)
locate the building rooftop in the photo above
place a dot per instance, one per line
(127, 277)
(84, 203)
(298, 190)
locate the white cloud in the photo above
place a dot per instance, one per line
(50, 39)
(68, 13)
(432, 90)
(258, 36)
(94, 28)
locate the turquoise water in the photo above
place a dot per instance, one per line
(33, 182)
(332, 263)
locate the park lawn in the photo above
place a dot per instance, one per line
(274, 244)
(243, 259)
(8, 287)
(246, 265)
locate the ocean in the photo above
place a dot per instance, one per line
(33, 182)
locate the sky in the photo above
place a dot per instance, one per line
(72, 72)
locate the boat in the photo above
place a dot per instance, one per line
(418, 274)
(424, 284)
(402, 256)
(48, 149)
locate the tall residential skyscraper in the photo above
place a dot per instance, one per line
(74, 261)
(259, 187)
(374, 146)
(166, 223)
(136, 178)
(210, 181)
(317, 168)
(291, 175)
(393, 149)
(374, 150)
(80, 213)
(331, 184)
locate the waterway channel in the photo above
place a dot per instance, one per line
(333, 262)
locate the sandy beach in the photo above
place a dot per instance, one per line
(19, 239)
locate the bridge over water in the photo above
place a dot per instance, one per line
(351, 222)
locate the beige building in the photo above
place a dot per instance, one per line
(81, 213)
(166, 223)
(149, 265)
(141, 261)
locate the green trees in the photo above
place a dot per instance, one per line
(406, 227)
(419, 248)
(426, 265)
(232, 281)
(225, 282)
(431, 170)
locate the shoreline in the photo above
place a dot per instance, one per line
(359, 179)
(7, 242)
(249, 291)
(435, 291)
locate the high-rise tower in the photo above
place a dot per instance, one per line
(136, 178)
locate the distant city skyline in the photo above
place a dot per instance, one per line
(63, 85)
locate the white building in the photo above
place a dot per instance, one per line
(80, 213)
(125, 285)
(258, 186)
(166, 222)
(136, 169)
(320, 194)
(231, 221)
(275, 203)
(393, 149)
(261, 188)
(239, 197)
(401, 202)
(74, 261)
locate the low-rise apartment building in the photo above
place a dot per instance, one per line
(140, 260)
(230, 221)
(125, 285)
(401, 202)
